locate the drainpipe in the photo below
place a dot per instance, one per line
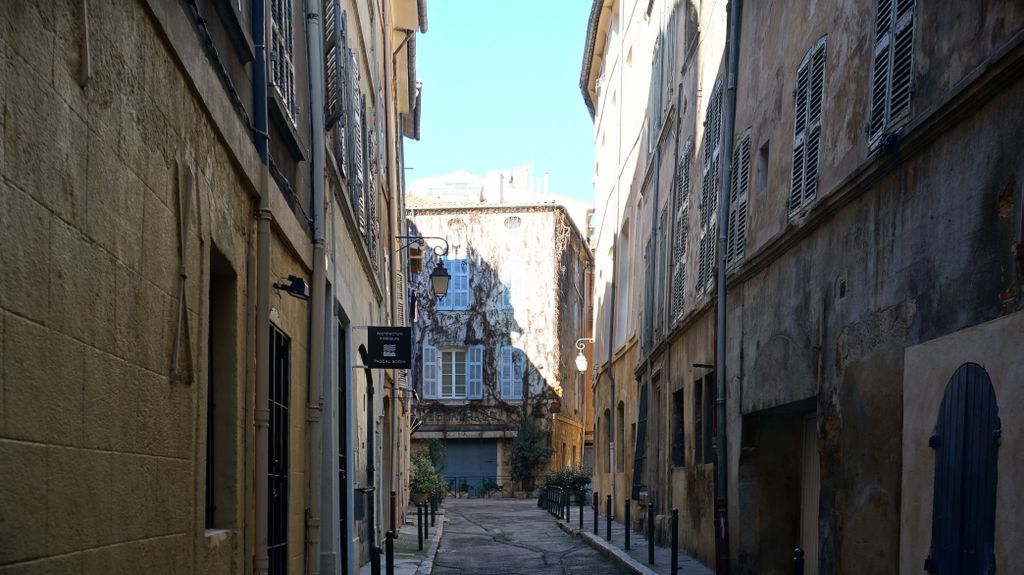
(611, 372)
(734, 9)
(261, 413)
(314, 47)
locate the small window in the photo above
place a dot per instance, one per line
(513, 222)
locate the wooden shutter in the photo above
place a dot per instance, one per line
(430, 372)
(680, 230)
(739, 193)
(331, 60)
(966, 445)
(808, 97)
(505, 369)
(710, 188)
(902, 61)
(475, 372)
(639, 450)
(892, 70)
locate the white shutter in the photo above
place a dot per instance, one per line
(892, 70)
(809, 101)
(430, 375)
(475, 376)
(515, 358)
(505, 370)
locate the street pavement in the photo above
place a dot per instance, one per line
(511, 537)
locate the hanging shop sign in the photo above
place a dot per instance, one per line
(390, 347)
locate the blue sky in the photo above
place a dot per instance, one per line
(501, 87)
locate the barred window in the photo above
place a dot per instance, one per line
(282, 43)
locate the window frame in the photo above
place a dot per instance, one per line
(458, 268)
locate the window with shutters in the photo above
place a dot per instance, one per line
(355, 180)
(336, 88)
(739, 196)
(808, 97)
(510, 373)
(282, 44)
(458, 267)
(453, 370)
(680, 230)
(710, 185)
(455, 373)
(372, 224)
(892, 68)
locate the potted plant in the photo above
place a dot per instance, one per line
(425, 478)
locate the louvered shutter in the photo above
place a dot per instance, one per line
(710, 188)
(372, 225)
(680, 230)
(892, 70)
(505, 369)
(475, 376)
(330, 29)
(808, 97)
(640, 448)
(430, 372)
(515, 359)
(738, 196)
(342, 134)
(902, 61)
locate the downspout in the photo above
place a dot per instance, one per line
(261, 413)
(734, 10)
(314, 401)
(611, 374)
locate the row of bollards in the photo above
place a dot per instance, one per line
(595, 505)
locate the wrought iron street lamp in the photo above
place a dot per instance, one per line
(439, 277)
(581, 360)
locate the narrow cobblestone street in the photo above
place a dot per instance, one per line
(510, 537)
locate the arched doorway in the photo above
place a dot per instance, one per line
(966, 444)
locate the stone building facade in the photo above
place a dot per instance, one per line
(501, 345)
(154, 194)
(873, 271)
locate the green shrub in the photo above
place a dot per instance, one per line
(425, 478)
(572, 479)
(528, 451)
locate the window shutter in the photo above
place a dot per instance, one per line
(902, 61)
(430, 374)
(330, 11)
(808, 98)
(371, 189)
(738, 196)
(710, 188)
(680, 230)
(506, 372)
(475, 372)
(515, 358)
(816, 90)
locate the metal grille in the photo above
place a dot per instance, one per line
(277, 473)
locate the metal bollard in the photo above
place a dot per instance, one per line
(675, 541)
(419, 525)
(426, 524)
(650, 533)
(433, 509)
(568, 506)
(629, 524)
(596, 500)
(798, 561)
(581, 509)
(608, 518)
(389, 553)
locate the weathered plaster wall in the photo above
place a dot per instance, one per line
(995, 345)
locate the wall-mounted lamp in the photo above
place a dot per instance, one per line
(439, 277)
(296, 287)
(581, 360)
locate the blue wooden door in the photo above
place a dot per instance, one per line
(966, 441)
(470, 462)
